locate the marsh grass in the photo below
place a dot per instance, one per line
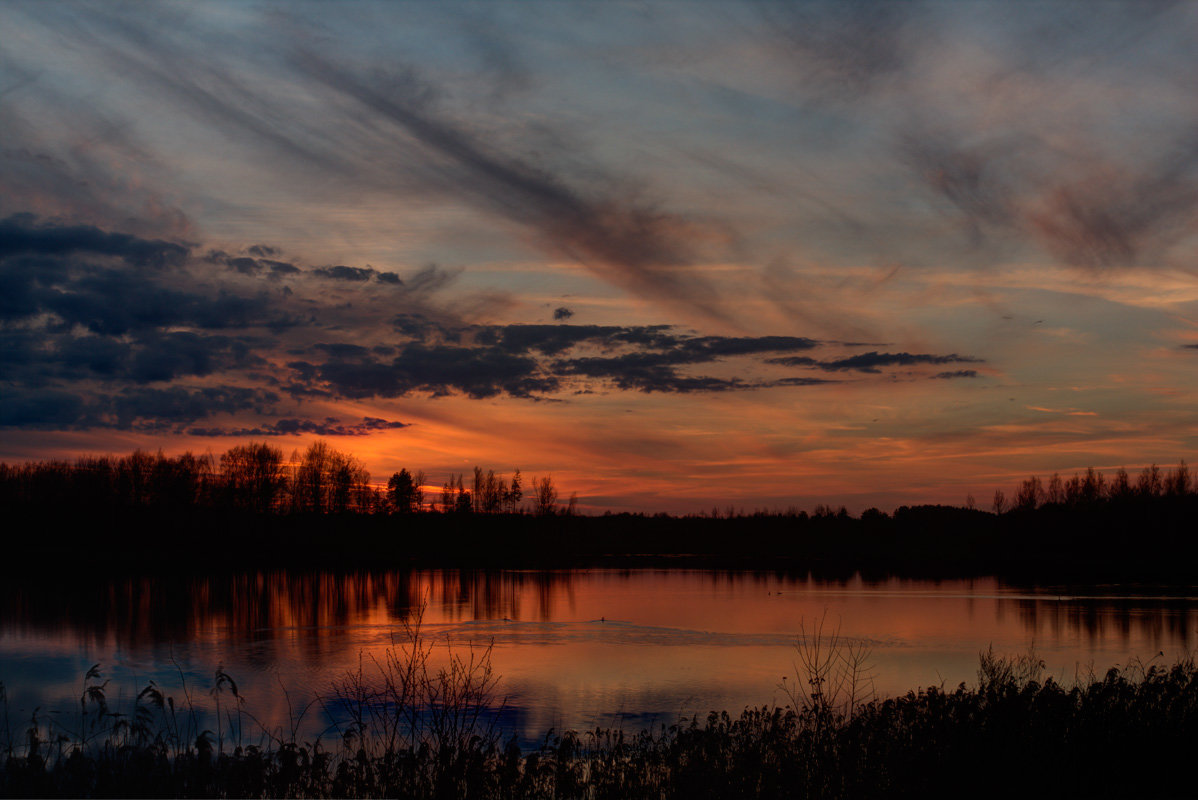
(420, 721)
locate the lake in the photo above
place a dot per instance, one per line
(573, 649)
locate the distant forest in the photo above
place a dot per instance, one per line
(253, 507)
(258, 478)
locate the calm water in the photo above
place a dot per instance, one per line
(574, 649)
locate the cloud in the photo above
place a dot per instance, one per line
(98, 327)
(535, 361)
(144, 409)
(256, 265)
(381, 128)
(35, 358)
(873, 361)
(101, 177)
(1014, 121)
(357, 275)
(562, 313)
(157, 409)
(290, 426)
(109, 283)
(20, 234)
(183, 353)
(635, 246)
(438, 369)
(845, 46)
(343, 273)
(959, 373)
(1120, 217)
(40, 408)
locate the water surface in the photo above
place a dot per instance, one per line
(574, 649)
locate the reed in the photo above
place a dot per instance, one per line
(414, 725)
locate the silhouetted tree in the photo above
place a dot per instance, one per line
(327, 480)
(252, 475)
(418, 490)
(1030, 494)
(1120, 488)
(545, 496)
(477, 490)
(514, 494)
(1178, 481)
(401, 492)
(462, 500)
(1055, 494)
(1093, 486)
(1150, 484)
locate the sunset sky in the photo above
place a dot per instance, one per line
(677, 255)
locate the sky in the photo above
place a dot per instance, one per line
(676, 255)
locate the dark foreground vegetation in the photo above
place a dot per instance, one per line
(405, 729)
(253, 508)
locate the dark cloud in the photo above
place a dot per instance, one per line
(254, 266)
(553, 339)
(183, 353)
(148, 357)
(115, 302)
(562, 313)
(290, 426)
(49, 269)
(158, 409)
(246, 266)
(142, 408)
(439, 369)
(960, 373)
(646, 372)
(91, 319)
(21, 234)
(343, 273)
(358, 275)
(40, 408)
(873, 361)
(535, 360)
(342, 350)
(658, 372)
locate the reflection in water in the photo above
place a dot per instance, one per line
(575, 648)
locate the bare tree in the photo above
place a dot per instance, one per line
(545, 496)
(514, 494)
(253, 475)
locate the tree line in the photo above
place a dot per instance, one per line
(256, 477)
(1091, 488)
